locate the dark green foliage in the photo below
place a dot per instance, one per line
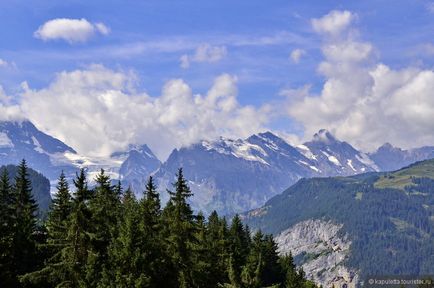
(180, 230)
(103, 238)
(40, 187)
(7, 227)
(391, 228)
(24, 242)
(104, 208)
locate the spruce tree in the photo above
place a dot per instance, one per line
(217, 241)
(151, 228)
(127, 264)
(104, 207)
(57, 225)
(26, 217)
(61, 208)
(7, 226)
(181, 227)
(75, 254)
(239, 243)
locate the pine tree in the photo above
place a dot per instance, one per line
(127, 264)
(202, 266)
(217, 241)
(26, 217)
(61, 208)
(151, 228)
(57, 226)
(252, 271)
(75, 254)
(104, 207)
(239, 244)
(7, 226)
(292, 279)
(272, 271)
(180, 226)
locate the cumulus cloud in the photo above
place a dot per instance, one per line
(296, 55)
(204, 53)
(363, 101)
(98, 111)
(8, 111)
(70, 30)
(333, 23)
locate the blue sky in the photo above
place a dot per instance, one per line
(148, 38)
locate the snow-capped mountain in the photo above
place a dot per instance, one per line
(49, 156)
(389, 158)
(235, 175)
(22, 140)
(226, 175)
(333, 157)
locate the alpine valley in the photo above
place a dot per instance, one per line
(226, 175)
(342, 219)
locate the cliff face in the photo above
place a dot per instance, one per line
(321, 251)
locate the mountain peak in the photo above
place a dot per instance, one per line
(388, 146)
(324, 136)
(268, 135)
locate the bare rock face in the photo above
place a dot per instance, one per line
(321, 251)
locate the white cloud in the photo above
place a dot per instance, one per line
(97, 111)
(333, 23)
(204, 53)
(8, 111)
(296, 55)
(362, 101)
(70, 30)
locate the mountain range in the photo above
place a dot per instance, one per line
(227, 175)
(342, 229)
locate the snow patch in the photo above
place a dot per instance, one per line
(238, 148)
(332, 159)
(350, 163)
(303, 149)
(5, 141)
(38, 145)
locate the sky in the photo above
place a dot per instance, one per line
(100, 75)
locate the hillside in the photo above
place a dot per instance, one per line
(388, 217)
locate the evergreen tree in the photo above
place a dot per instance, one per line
(7, 228)
(26, 217)
(61, 208)
(217, 241)
(57, 226)
(292, 279)
(104, 207)
(100, 239)
(272, 271)
(239, 242)
(127, 264)
(75, 254)
(151, 228)
(201, 252)
(181, 228)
